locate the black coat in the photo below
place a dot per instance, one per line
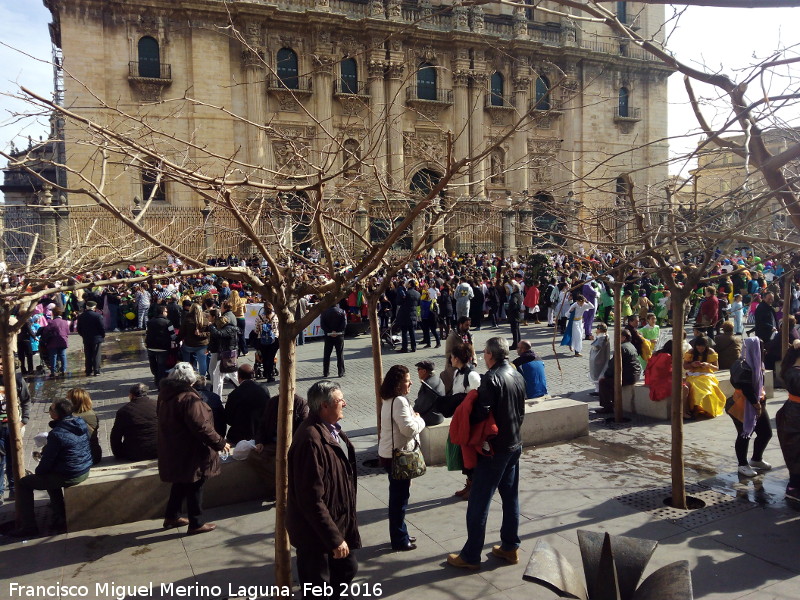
(159, 334)
(244, 409)
(502, 392)
(407, 313)
(134, 435)
(90, 326)
(321, 509)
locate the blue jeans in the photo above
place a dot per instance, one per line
(195, 355)
(399, 492)
(58, 356)
(499, 472)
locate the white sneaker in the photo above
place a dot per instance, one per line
(747, 471)
(761, 465)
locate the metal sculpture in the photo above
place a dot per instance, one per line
(613, 566)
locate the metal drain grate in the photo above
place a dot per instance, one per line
(718, 506)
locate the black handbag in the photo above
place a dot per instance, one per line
(406, 464)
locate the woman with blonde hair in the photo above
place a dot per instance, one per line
(82, 407)
(238, 306)
(195, 337)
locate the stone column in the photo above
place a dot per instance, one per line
(362, 225)
(323, 100)
(519, 140)
(208, 230)
(461, 114)
(478, 134)
(47, 218)
(509, 232)
(377, 129)
(254, 77)
(395, 125)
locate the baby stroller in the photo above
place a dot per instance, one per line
(390, 338)
(258, 362)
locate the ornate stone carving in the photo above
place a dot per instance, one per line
(425, 9)
(376, 69)
(480, 78)
(429, 111)
(148, 25)
(395, 70)
(522, 84)
(287, 102)
(323, 5)
(461, 18)
(477, 19)
(500, 118)
(461, 78)
(520, 23)
(351, 104)
(291, 147)
(394, 10)
(147, 89)
(541, 170)
(427, 53)
(543, 146)
(426, 145)
(376, 9)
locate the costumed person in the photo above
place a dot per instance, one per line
(704, 397)
(737, 313)
(787, 420)
(748, 409)
(658, 373)
(573, 336)
(599, 353)
(590, 291)
(650, 332)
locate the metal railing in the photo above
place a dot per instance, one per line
(545, 104)
(348, 88)
(146, 70)
(493, 100)
(293, 83)
(441, 96)
(627, 113)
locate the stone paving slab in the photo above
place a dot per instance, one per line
(563, 487)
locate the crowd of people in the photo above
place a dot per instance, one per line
(194, 330)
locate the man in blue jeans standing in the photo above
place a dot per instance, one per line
(501, 393)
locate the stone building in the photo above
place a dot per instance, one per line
(558, 114)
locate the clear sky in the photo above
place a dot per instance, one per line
(725, 40)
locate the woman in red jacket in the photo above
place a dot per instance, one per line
(658, 373)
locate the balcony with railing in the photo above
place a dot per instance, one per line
(149, 70)
(438, 96)
(293, 84)
(627, 114)
(342, 87)
(546, 103)
(616, 49)
(494, 101)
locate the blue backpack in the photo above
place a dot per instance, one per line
(267, 334)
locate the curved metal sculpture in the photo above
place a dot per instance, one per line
(613, 566)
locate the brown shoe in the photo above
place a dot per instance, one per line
(205, 528)
(455, 560)
(465, 492)
(172, 523)
(510, 556)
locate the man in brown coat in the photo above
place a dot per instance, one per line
(188, 447)
(321, 511)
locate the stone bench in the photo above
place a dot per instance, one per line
(546, 420)
(641, 404)
(126, 492)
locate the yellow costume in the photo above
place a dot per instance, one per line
(704, 386)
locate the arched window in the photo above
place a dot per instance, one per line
(622, 12)
(149, 58)
(497, 88)
(300, 219)
(623, 102)
(542, 93)
(287, 68)
(351, 159)
(349, 82)
(426, 82)
(152, 185)
(424, 181)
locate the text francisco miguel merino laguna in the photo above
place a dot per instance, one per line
(150, 590)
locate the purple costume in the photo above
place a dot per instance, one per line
(591, 297)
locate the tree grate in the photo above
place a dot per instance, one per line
(717, 505)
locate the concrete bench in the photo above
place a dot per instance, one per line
(641, 404)
(127, 492)
(546, 420)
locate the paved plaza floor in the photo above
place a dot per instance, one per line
(744, 544)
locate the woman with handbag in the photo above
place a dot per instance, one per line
(222, 349)
(748, 408)
(398, 443)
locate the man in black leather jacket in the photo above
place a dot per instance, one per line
(501, 394)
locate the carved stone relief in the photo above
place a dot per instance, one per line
(426, 145)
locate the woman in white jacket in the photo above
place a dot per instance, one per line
(400, 427)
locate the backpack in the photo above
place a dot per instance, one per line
(267, 334)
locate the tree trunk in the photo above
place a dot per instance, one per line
(678, 476)
(286, 391)
(12, 398)
(377, 354)
(616, 287)
(788, 277)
